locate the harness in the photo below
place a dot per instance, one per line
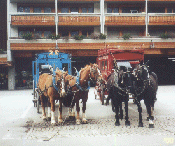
(78, 83)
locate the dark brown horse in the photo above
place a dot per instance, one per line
(79, 88)
(51, 87)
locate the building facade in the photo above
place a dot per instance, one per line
(35, 26)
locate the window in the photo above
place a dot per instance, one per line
(109, 10)
(91, 10)
(47, 10)
(27, 9)
(84, 10)
(74, 33)
(87, 33)
(37, 10)
(156, 10)
(65, 33)
(115, 10)
(47, 34)
(21, 33)
(38, 34)
(20, 9)
(106, 67)
(74, 10)
(130, 10)
(112, 10)
(64, 10)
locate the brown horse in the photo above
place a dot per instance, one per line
(51, 88)
(79, 87)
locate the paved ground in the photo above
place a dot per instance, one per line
(100, 130)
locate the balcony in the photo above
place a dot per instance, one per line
(32, 20)
(79, 19)
(124, 19)
(161, 19)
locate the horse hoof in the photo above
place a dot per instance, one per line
(117, 124)
(53, 124)
(44, 118)
(84, 121)
(147, 119)
(78, 122)
(151, 125)
(49, 119)
(60, 121)
(140, 124)
(127, 123)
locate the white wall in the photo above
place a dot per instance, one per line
(14, 31)
(13, 7)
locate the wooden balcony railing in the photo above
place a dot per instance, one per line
(124, 20)
(161, 20)
(79, 20)
(32, 20)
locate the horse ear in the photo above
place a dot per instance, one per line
(91, 64)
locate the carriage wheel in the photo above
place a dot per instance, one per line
(37, 103)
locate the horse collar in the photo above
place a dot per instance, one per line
(78, 83)
(54, 81)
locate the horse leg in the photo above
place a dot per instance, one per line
(43, 107)
(127, 122)
(48, 111)
(83, 109)
(121, 112)
(140, 113)
(117, 123)
(71, 113)
(78, 112)
(60, 119)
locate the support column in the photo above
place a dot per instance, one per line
(11, 78)
(102, 15)
(146, 19)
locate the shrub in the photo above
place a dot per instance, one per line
(28, 36)
(54, 37)
(77, 37)
(102, 36)
(126, 36)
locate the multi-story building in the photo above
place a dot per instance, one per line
(149, 24)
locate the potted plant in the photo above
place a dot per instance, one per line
(102, 36)
(28, 36)
(77, 37)
(126, 36)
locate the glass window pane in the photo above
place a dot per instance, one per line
(74, 10)
(115, 10)
(169, 10)
(65, 33)
(20, 9)
(47, 10)
(73, 33)
(109, 10)
(84, 33)
(84, 10)
(47, 34)
(64, 10)
(21, 33)
(90, 10)
(27, 9)
(37, 10)
(173, 10)
(38, 34)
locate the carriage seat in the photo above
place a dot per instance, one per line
(46, 69)
(125, 66)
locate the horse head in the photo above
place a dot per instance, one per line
(141, 72)
(60, 78)
(95, 74)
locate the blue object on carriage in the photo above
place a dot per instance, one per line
(54, 81)
(44, 60)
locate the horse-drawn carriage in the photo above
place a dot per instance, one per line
(108, 57)
(48, 62)
(127, 76)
